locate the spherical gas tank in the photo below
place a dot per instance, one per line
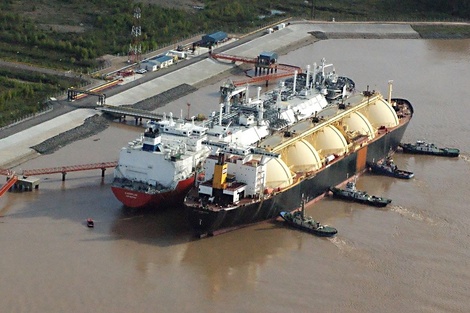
(329, 140)
(302, 156)
(358, 122)
(278, 174)
(381, 113)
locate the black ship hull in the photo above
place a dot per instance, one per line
(376, 201)
(207, 222)
(320, 233)
(380, 170)
(442, 152)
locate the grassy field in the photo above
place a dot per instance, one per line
(23, 93)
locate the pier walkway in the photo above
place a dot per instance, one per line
(126, 111)
(8, 185)
(71, 168)
(27, 182)
(62, 169)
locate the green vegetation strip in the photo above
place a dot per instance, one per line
(23, 93)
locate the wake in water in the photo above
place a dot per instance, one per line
(417, 216)
(362, 256)
(465, 157)
(341, 244)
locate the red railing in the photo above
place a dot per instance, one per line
(9, 183)
(70, 168)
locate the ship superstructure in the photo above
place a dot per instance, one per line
(161, 164)
(245, 120)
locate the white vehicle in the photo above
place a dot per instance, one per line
(141, 71)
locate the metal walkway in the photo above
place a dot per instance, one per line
(263, 78)
(11, 181)
(12, 177)
(126, 111)
(70, 168)
(62, 169)
(286, 69)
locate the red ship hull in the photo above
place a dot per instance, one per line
(136, 199)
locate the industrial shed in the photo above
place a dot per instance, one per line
(149, 65)
(164, 61)
(214, 37)
(267, 58)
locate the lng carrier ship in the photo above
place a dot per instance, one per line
(160, 167)
(247, 184)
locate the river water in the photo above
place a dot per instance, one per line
(412, 256)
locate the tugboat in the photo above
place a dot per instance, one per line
(422, 147)
(389, 168)
(90, 223)
(299, 220)
(352, 194)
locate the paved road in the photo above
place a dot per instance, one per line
(61, 107)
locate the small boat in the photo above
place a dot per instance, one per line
(422, 147)
(298, 219)
(389, 168)
(352, 194)
(90, 223)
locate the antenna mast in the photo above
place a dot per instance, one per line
(135, 47)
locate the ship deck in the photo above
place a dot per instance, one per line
(330, 115)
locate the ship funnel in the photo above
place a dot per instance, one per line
(259, 93)
(295, 83)
(390, 84)
(171, 119)
(221, 159)
(220, 173)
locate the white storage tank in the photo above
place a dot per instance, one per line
(278, 174)
(302, 156)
